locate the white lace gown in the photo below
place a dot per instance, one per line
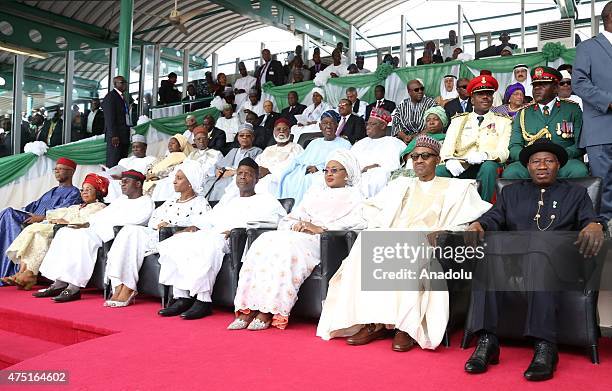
(134, 242)
(279, 261)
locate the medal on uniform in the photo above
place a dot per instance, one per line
(570, 130)
(491, 127)
(559, 129)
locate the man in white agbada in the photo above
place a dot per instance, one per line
(424, 203)
(243, 84)
(191, 270)
(302, 172)
(139, 161)
(72, 255)
(273, 161)
(190, 123)
(134, 242)
(279, 261)
(378, 154)
(229, 123)
(309, 119)
(253, 103)
(337, 69)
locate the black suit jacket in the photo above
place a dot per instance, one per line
(269, 124)
(193, 106)
(113, 106)
(56, 136)
(354, 129)
(453, 107)
(217, 140)
(168, 93)
(275, 73)
(97, 127)
(313, 73)
(290, 113)
(388, 105)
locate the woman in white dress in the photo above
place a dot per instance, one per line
(278, 262)
(134, 242)
(311, 115)
(30, 247)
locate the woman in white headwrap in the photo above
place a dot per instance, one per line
(311, 115)
(278, 262)
(133, 243)
(448, 89)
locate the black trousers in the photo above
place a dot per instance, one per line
(516, 293)
(114, 154)
(489, 308)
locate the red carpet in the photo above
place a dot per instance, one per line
(134, 349)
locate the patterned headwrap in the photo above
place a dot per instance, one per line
(333, 114)
(510, 90)
(350, 164)
(424, 140)
(64, 161)
(438, 111)
(98, 182)
(381, 114)
(246, 127)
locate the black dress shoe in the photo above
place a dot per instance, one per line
(486, 352)
(179, 306)
(198, 310)
(65, 296)
(544, 362)
(49, 292)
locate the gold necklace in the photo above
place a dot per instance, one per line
(537, 216)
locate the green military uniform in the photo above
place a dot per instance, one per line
(562, 126)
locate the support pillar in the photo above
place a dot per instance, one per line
(215, 65)
(18, 70)
(522, 26)
(156, 63)
(403, 32)
(125, 39)
(459, 25)
(68, 86)
(352, 44)
(185, 71)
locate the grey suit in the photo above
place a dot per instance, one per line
(592, 81)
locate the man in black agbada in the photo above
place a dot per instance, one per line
(540, 204)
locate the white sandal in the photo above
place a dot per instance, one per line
(238, 324)
(258, 324)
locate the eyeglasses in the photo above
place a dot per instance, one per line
(463, 86)
(424, 156)
(419, 89)
(86, 190)
(333, 171)
(565, 83)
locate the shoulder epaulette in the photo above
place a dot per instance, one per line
(503, 115)
(459, 115)
(569, 101)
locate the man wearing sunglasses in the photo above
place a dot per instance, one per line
(460, 104)
(476, 143)
(408, 117)
(548, 116)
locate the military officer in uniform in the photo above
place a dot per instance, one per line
(476, 143)
(551, 117)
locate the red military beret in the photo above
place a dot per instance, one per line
(482, 83)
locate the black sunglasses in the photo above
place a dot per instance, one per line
(424, 156)
(418, 89)
(565, 83)
(463, 86)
